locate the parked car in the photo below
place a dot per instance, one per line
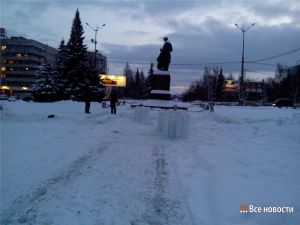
(3, 97)
(283, 102)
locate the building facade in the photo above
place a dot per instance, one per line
(20, 60)
(99, 60)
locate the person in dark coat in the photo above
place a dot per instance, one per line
(113, 101)
(164, 58)
(87, 101)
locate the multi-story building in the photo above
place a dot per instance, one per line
(20, 59)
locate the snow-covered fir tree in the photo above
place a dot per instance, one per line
(45, 88)
(139, 84)
(75, 66)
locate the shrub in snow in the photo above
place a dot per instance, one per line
(44, 88)
(173, 124)
(141, 114)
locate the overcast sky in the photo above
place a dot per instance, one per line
(201, 31)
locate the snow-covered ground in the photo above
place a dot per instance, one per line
(102, 169)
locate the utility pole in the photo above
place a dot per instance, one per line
(242, 88)
(95, 40)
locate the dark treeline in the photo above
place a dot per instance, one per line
(285, 84)
(208, 88)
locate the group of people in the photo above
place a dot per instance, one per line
(113, 98)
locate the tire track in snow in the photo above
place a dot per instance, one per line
(164, 208)
(23, 210)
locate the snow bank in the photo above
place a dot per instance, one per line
(106, 169)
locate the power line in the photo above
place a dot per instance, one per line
(254, 71)
(275, 56)
(203, 64)
(262, 64)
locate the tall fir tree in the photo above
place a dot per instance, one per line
(137, 83)
(45, 89)
(61, 57)
(220, 86)
(148, 82)
(75, 67)
(61, 78)
(142, 80)
(137, 77)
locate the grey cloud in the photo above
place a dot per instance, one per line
(156, 8)
(192, 45)
(135, 32)
(143, 53)
(272, 8)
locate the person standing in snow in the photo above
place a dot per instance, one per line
(164, 58)
(113, 101)
(87, 100)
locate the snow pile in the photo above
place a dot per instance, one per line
(173, 124)
(141, 114)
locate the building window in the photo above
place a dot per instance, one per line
(11, 69)
(10, 61)
(19, 54)
(3, 47)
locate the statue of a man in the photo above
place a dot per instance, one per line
(164, 58)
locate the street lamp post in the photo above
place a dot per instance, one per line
(244, 30)
(95, 40)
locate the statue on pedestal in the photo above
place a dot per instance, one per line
(164, 58)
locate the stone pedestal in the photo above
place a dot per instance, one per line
(160, 85)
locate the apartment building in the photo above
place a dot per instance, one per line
(20, 59)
